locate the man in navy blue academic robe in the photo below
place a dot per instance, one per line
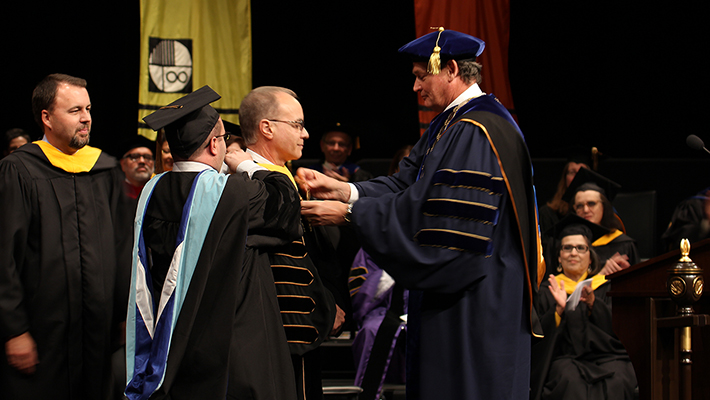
(458, 227)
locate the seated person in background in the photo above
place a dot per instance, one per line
(590, 195)
(235, 141)
(555, 209)
(337, 145)
(163, 157)
(580, 357)
(14, 138)
(690, 220)
(379, 309)
(138, 164)
(379, 306)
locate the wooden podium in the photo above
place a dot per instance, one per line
(642, 314)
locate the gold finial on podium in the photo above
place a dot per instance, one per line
(685, 250)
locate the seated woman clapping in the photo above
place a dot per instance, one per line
(580, 357)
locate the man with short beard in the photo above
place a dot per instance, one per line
(138, 165)
(58, 314)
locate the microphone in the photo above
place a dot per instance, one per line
(696, 143)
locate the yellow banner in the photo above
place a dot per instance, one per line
(186, 44)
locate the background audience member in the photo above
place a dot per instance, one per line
(580, 357)
(590, 195)
(235, 141)
(14, 138)
(556, 208)
(337, 145)
(138, 164)
(690, 220)
(163, 157)
(379, 306)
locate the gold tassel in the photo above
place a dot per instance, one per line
(434, 66)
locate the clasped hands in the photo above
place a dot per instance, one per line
(615, 263)
(333, 194)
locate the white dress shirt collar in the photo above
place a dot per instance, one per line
(472, 91)
(189, 166)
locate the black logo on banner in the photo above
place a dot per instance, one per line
(170, 65)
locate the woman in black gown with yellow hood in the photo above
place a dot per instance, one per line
(580, 357)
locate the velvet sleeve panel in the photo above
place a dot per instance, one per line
(457, 199)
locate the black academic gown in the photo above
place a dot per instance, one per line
(548, 219)
(303, 273)
(229, 330)
(58, 273)
(581, 358)
(622, 244)
(688, 222)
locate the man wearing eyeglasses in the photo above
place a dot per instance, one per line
(311, 302)
(203, 314)
(138, 165)
(337, 145)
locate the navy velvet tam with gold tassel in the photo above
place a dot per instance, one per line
(443, 45)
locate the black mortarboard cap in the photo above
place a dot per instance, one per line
(134, 142)
(586, 179)
(573, 224)
(346, 129)
(339, 127)
(187, 121)
(443, 44)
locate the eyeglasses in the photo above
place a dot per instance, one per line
(581, 248)
(136, 156)
(590, 204)
(226, 136)
(300, 124)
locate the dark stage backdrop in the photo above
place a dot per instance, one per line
(628, 80)
(626, 77)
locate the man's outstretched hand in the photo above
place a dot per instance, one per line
(320, 186)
